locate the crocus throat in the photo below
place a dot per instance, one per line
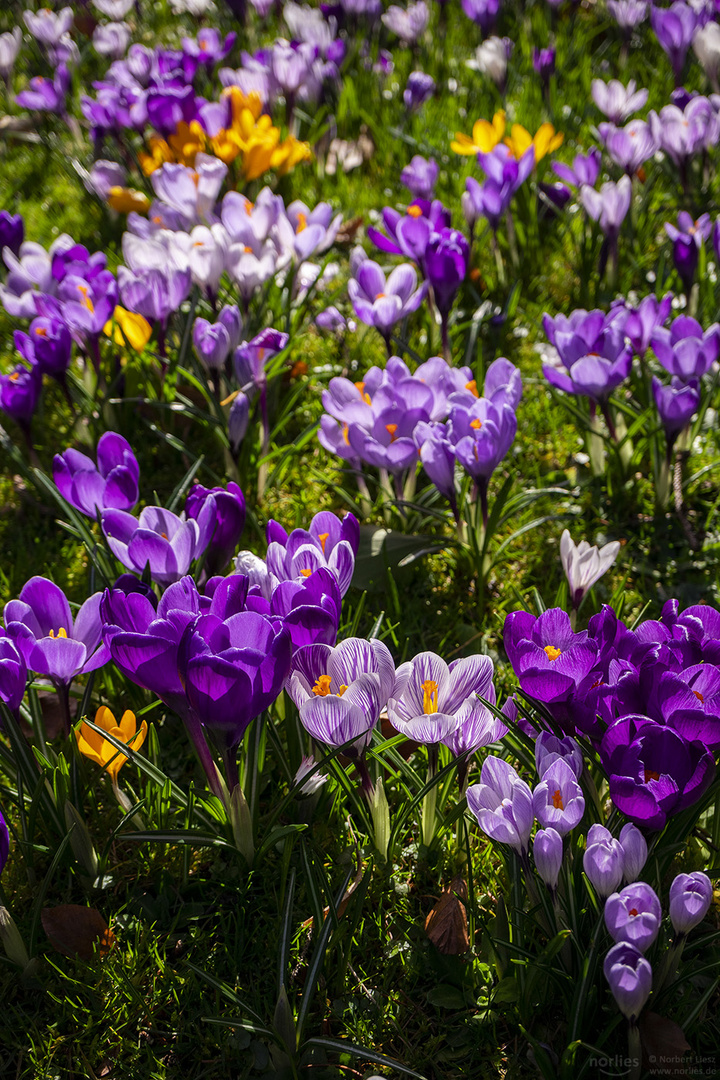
(633, 911)
(62, 632)
(430, 696)
(557, 800)
(552, 652)
(650, 774)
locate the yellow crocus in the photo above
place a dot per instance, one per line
(485, 136)
(99, 749)
(291, 152)
(160, 153)
(124, 200)
(187, 142)
(128, 328)
(545, 140)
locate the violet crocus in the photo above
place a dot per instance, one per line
(225, 530)
(112, 483)
(653, 771)
(19, 394)
(418, 89)
(687, 239)
(629, 147)
(596, 374)
(633, 915)
(383, 303)
(629, 976)
(48, 344)
(685, 350)
(690, 899)
(46, 95)
(47, 26)
(616, 101)
(482, 12)
(340, 691)
(603, 860)
(328, 541)
(12, 231)
(432, 692)
(643, 320)
(675, 404)
(609, 206)
(446, 261)
(211, 342)
(674, 28)
(50, 641)
(558, 801)
(548, 855)
(544, 63)
(635, 852)
(482, 434)
(13, 673)
(549, 749)
(585, 565)
(502, 804)
(159, 538)
(585, 169)
(420, 177)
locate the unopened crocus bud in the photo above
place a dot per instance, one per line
(314, 782)
(12, 231)
(231, 319)
(238, 420)
(603, 860)
(634, 915)
(690, 899)
(12, 942)
(548, 853)
(584, 565)
(630, 978)
(549, 748)
(635, 851)
(212, 343)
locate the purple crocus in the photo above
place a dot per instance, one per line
(228, 505)
(12, 230)
(482, 434)
(690, 899)
(643, 320)
(50, 641)
(159, 538)
(629, 147)
(653, 771)
(687, 239)
(633, 915)
(558, 801)
(603, 860)
(616, 101)
(685, 350)
(502, 804)
(19, 394)
(549, 749)
(46, 95)
(674, 27)
(544, 63)
(446, 261)
(328, 541)
(418, 89)
(482, 12)
(13, 673)
(635, 852)
(112, 483)
(420, 177)
(609, 206)
(675, 405)
(548, 855)
(408, 24)
(47, 26)
(431, 693)
(585, 169)
(597, 373)
(628, 13)
(211, 342)
(383, 303)
(48, 343)
(630, 978)
(154, 293)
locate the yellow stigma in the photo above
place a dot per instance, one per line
(14, 376)
(302, 223)
(85, 298)
(346, 430)
(41, 331)
(472, 387)
(360, 386)
(650, 774)
(477, 424)
(248, 250)
(699, 696)
(391, 429)
(306, 572)
(552, 652)
(322, 686)
(414, 211)
(557, 800)
(322, 537)
(430, 696)
(62, 632)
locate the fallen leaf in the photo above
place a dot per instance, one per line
(348, 229)
(663, 1041)
(75, 930)
(446, 925)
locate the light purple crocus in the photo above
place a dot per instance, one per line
(630, 979)
(159, 538)
(633, 915)
(690, 899)
(211, 342)
(433, 692)
(643, 320)
(684, 349)
(47, 26)
(46, 95)
(549, 749)
(558, 801)
(616, 101)
(548, 855)
(111, 39)
(10, 43)
(603, 861)
(382, 303)
(629, 147)
(408, 24)
(687, 239)
(628, 13)
(674, 27)
(635, 852)
(112, 483)
(675, 405)
(502, 804)
(609, 206)
(585, 169)
(420, 176)
(328, 541)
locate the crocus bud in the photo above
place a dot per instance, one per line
(212, 343)
(12, 942)
(603, 860)
(635, 852)
(12, 228)
(231, 319)
(634, 915)
(238, 420)
(548, 853)
(690, 899)
(549, 748)
(630, 977)
(224, 522)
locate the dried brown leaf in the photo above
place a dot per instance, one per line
(663, 1041)
(446, 925)
(75, 930)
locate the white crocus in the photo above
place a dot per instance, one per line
(491, 59)
(584, 565)
(706, 44)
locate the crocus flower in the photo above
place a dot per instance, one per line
(382, 303)
(502, 804)
(685, 350)
(12, 230)
(163, 540)
(50, 641)
(111, 39)
(409, 24)
(46, 95)
(418, 89)
(113, 482)
(549, 749)
(635, 851)
(706, 44)
(690, 899)
(675, 405)
(211, 342)
(653, 771)
(491, 59)
(584, 565)
(643, 320)
(687, 239)
(609, 206)
(544, 63)
(432, 692)
(98, 749)
(420, 176)
(13, 673)
(229, 519)
(340, 692)
(616, 101)
(585, 169)
(482, 12)
(548, 855)
(19, 393)
(10, 43)
(674, 27)
(596, 374)
(603, 860)
(485, 136)
(628, 13)
(634, 915)
(482, 434)
(446, 259)
(630, 978)
(629, 147)
(558, 801)
(47, 26)
(328, 541)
